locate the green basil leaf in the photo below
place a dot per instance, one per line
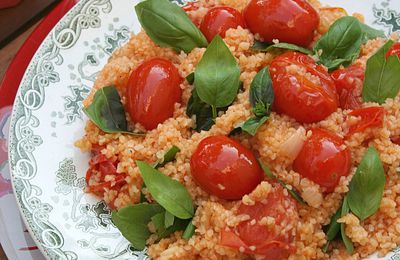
(217, 76)
(252, 124)
(107, 111)
(371, 33)
(267, 47)
(169, 26)
(334, 227)
(132, 222)
(169, 193)
(169, 219)
(341, 45)
(262, 93)
(382, 76)
(164, 231)
(292, 192)
(190, 78)
(346, 240)
(189, 231)
(169, 156)
(367, 185)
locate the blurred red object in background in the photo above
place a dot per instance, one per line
(8, 3)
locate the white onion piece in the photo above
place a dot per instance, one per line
(292, 146)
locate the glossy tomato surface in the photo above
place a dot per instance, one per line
(291, 21)
(220, 19)
(323, 159)
(260, 238)
(303, 89)
(368, 117)
(225, 168)
(349, 82)
(153, 89)
(394, 50)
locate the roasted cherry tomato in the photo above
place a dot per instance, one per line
(349, 82)
(266, 240)
(370, 117)
(394, 50)
(153, 90)
(323, 159)
(218, 20)
(303, 89)
(292, 21)
(225, 168)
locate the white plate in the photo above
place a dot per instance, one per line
(47, 170)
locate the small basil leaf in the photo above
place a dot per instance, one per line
(169, 193)
(217, 75)
(261, 91)
(169, 156)
(371, 33)
(341, 45)
(162, 230)
(267, 47)
(169, 219)
(169, 26)
(132, 222)
(334, 226)
(346, 240)
(367, 185)
(190, 78)
(189, 231)
(107, 111)
(382, 76)
(251, 125)
(292, 192)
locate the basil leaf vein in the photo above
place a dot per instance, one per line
(169, 26)
(169, 193)
(382, 76)
(367, 186)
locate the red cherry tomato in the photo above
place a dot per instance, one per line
(291, 21)
(303, 89)
(258, 238)
(395, 140)
(394, 50)
(370, 117)
(323, 159)
(349, 82)
(220, 19)
(225, 168)
(153, 89)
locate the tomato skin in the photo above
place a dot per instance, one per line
(267, 240)
(153, 89)
(220, 19)
(394, 50)
(291, 21)
(225, 168)
(370, 117)
(323, 160)
(296, 95)
(349, 83)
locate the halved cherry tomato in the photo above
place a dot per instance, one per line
(292, 21)
(370, 117)
(349, 82)
(153, 90)
(303, 89)
(394, 50)
(253, 237)
(220, 19)
(323, 159)
(225, 168)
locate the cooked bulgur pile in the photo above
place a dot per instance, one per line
(276, 144)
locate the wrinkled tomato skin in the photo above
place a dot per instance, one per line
(369, 117)
(153, 90)
(323, 159)
(220, 19)
(296, 95)
(394, 50)
(268, 241)
(348, 82)
(291, 21)
(225, 168)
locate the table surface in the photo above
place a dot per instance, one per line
(7, 53)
